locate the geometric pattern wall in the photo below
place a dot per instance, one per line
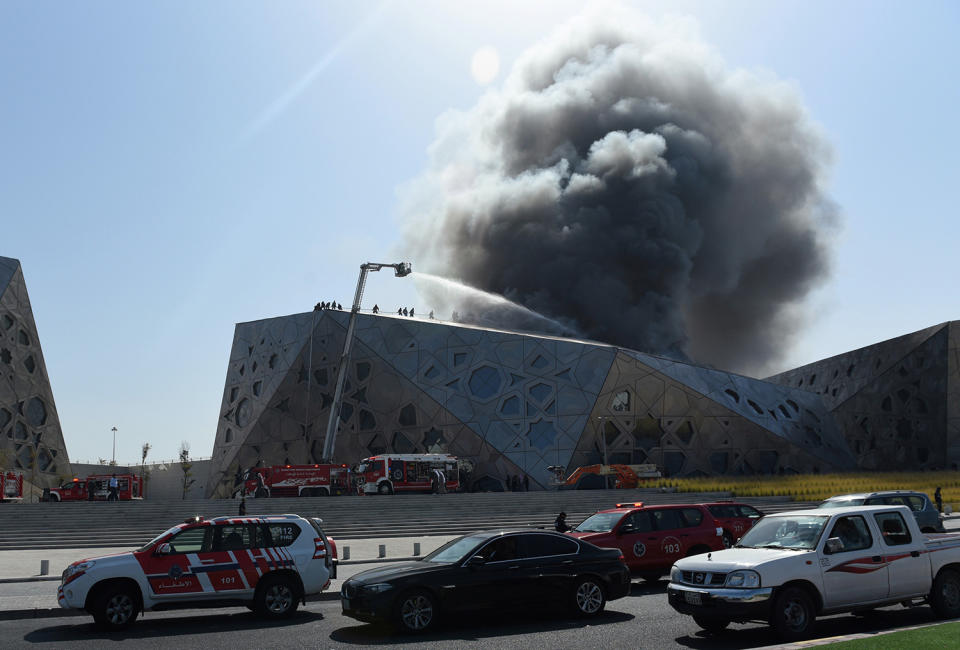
(896, 402)
(515, 403)
(30, 436)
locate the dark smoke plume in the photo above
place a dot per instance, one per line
(626, 183)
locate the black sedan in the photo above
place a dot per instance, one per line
(489, 570)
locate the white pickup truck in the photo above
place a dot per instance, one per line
(794, 566)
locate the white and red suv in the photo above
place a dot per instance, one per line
(269, 563)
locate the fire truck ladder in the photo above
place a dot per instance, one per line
(400, 269)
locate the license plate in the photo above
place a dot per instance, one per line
(693, 598)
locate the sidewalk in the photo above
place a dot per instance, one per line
(25, 593)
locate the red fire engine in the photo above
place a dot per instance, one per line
(11, 485)
(294, 481)
(389, 473)
(96, 487)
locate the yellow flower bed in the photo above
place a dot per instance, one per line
(816, 487)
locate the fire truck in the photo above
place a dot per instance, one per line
(293, 481)
(11, 485)
(389, 473)
(96, 487)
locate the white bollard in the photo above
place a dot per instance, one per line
(346, 553)
(44, 567)
(416, 549)
(383, 550)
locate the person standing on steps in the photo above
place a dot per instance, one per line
(243, 506)
(113, 494)
(561, 523)
(938, 497)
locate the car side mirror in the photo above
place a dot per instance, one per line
(626, 530)
(163, 549)
(834, 545)
(476, 561)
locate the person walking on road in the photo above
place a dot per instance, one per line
(938, 497)
(561, 523)
(113, 494)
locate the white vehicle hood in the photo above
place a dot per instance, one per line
(736, 558)
(114, 559)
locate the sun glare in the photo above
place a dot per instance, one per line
(485, 65)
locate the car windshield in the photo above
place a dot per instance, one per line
(841, 503)
(456, 549)
(602, 522)
(801, 532)
(158, 538)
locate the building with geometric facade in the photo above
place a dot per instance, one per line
(897, 402)
(30, 436)
(515, 403)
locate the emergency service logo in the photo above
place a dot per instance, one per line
(175, 571)
(639, 549)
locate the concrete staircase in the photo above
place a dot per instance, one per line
(105, 524)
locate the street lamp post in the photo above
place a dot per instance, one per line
(603, 442)
(113, 460)
(400, 269)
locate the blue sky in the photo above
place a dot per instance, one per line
(168, 169)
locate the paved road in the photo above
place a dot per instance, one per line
(642, 620)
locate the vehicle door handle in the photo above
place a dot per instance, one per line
(877, 558)
(652, 538)
(914, 553)
(568, 561)
(514, 567)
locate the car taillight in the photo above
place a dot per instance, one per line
(622, 558)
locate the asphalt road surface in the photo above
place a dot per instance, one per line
(642, 620)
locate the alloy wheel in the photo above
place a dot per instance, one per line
(119, 609)
(416, 612)
(589, 597)
(278, 598)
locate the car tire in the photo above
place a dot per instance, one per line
(416, 612)
(115, 607)
(711, 625)
(588, 597)
(793, 613)
(261, 493)
(54, 498)
(945, 595)
(276, 597)
(384, 488)
(727, 539)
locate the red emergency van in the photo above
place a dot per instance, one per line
(652, 538)
(320, 480)
(96, 487)
(735, 519)
(389, 473)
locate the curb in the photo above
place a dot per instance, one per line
(57, 612)
(30, 579)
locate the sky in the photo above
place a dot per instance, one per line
(169, 169)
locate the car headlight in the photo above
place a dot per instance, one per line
(676, 575)
(378, 588)
(743, 579)
(76, 570)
